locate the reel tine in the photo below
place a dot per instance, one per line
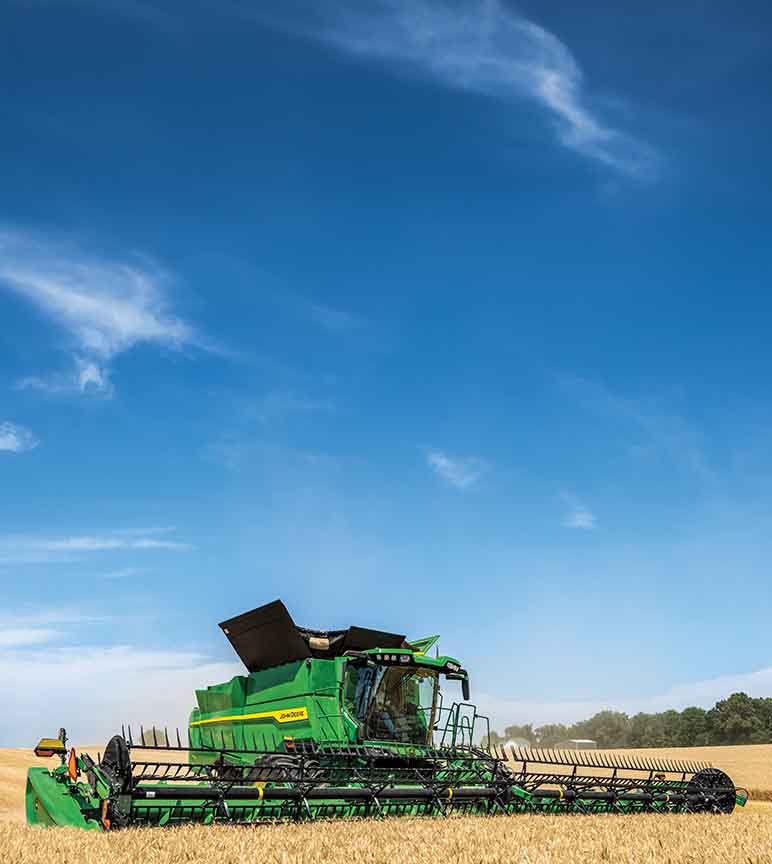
(141, 734)
(155, 737)
(179, 743)
(166, 733)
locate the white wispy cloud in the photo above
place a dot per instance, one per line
(16, 439)
(36, 617)
(15, 637)
(123, 573)
(33, 549)
(580, 518)
(482, 47)
(105, 306)
(578, 515)
(459, 472)
(21, 628)
(100, 544)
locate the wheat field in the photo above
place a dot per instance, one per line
(744, 838)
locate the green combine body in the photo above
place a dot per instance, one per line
(345, 723)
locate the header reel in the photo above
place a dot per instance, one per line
(143, 784)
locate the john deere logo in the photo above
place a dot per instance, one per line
(292, 714)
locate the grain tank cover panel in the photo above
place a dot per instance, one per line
(265, 637)
(362, 639)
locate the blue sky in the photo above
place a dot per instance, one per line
(442, 317)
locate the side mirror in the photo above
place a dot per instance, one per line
(465, 689)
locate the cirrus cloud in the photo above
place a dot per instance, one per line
(16, 439)
(459, 472)
(104, 306)
(481, 47)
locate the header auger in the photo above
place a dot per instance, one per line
(344, 723)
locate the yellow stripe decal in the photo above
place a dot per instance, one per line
(286, 715)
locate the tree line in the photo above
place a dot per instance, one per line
(739, 719)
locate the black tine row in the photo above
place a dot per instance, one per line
(601, 759)
(240, 740)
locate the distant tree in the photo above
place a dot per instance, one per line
(671, 724)
(640, 730)
(693, 729)
(764, 714)
(734, 720)
(525, 731)
(609, 728)
(551, 734)
(738, 719)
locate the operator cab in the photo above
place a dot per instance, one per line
(396, 697)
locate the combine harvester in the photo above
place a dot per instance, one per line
(344, 723)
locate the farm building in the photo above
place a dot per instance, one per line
(578, 744)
